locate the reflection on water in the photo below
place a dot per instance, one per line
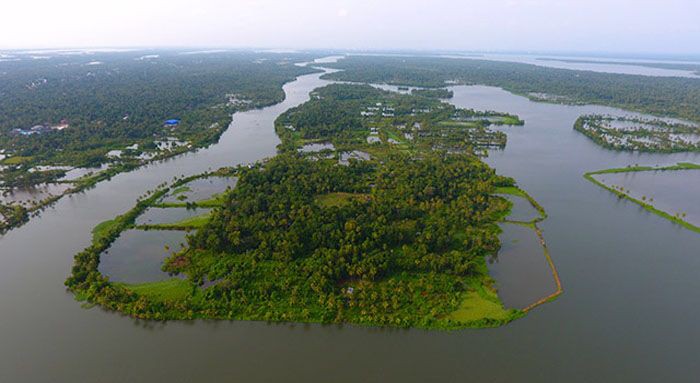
(520, 269)
(137, 255)
(675, 192)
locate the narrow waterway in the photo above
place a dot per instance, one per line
(629, 312)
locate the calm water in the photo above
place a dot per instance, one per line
(673, 191)
(520, 269)
(629, 311)
(137, 255)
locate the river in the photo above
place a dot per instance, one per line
(593, 64)
(629, 311)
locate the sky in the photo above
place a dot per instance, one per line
(625, 26)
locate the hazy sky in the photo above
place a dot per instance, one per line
(657, 26)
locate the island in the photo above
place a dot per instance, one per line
(377, 211)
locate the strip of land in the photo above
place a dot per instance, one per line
(646, 204)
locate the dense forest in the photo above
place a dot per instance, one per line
(399, 245)
(665, 96)
(113, 100)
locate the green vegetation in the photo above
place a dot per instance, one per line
(170, 290)
(361, 117)
(87, 283)
(661, 96)
(481, 304)
(180, 190)
(396, 239)
(191, 223)
(114, 113)
(433, 93)
(340, 199)
(104, 230)
(215, 201)
(12, 216)
(629, 133)
(646, 204)
(389, 258)
(17, 160)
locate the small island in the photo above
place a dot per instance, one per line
(377, 211)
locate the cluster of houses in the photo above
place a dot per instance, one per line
(40, 129)
(237, 100)
(385, 111)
